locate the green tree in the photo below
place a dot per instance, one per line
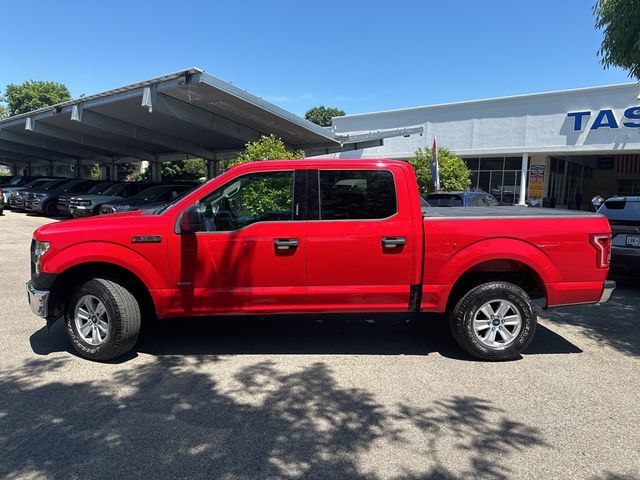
(3, 111)
(266, 195)
(190, 169)
(32, 95)
(195, 167)
(454, 174)
(620, 21)
(322, 115)
(266, 148)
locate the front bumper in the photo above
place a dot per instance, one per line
(78, 211)
(33, 205)
(16, 203)
(607, 291)
(63, 208)
(38, 300)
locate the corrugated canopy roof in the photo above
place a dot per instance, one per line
(189, 112)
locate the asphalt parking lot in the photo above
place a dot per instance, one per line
(340, 397)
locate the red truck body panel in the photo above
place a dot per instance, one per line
(338, 266)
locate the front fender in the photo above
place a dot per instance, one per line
(104, 252)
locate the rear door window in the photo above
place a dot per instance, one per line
(356, 194)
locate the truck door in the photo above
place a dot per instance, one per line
(360, 248)
(249, 256)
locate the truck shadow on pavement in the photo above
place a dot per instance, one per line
(614, 324)
(317, 334)
(170, 419)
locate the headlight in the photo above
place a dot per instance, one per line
(37, 251)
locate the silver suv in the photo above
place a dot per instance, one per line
(623, 214)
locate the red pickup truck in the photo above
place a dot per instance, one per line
(321, 236)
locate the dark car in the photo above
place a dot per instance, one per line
(86, 205)
(18, 181)
(462, 199)
(623, 214)
(64, 200)
(8, 190)
(150, 198)
(46, 201)
(17, 199)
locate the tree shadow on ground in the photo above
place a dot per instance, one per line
(614, 324)
(395, 334)
(167, 419)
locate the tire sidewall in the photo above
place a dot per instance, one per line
(469, 305)
(95, 352)
(49, 209)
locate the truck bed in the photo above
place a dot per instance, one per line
(503, 212)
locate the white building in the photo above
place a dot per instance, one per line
(584, 140)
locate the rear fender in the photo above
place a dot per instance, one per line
(437, 290)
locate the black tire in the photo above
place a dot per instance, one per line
(50, 209)
(468, 308)
(124, 319)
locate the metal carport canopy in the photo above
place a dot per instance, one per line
(188, 113)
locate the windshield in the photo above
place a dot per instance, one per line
(17, 181)
(115, 189)
(165, 206)
(100, 188)
(35, 183)
(54, 184)
(151, 193)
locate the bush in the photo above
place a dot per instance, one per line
(454, 174)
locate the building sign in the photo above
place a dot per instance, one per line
(536, 181)
(605, 119)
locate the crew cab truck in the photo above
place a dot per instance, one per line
(321, 236)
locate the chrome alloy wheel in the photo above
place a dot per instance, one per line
(92, 320)
(497, 324)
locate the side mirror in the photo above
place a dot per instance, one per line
(191, 220)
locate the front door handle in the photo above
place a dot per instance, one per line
(286, 243)
(393, 242)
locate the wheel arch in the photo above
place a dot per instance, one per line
(506, 259)
(68, 281)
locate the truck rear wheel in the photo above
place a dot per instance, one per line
(103, 319)
(494, 321)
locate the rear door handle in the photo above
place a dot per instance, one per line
(393, 242)
(286, 243)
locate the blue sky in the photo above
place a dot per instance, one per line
(360, 56)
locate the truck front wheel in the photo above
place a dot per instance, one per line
(103, 319)
(494, 321)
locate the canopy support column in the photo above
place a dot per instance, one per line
(156, 171)
(212, 168)
(523, 178)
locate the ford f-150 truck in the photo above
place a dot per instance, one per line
(321, 236)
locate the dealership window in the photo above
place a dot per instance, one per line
(498, 176)
(356, 194)
(472, 163)
(629, 186)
